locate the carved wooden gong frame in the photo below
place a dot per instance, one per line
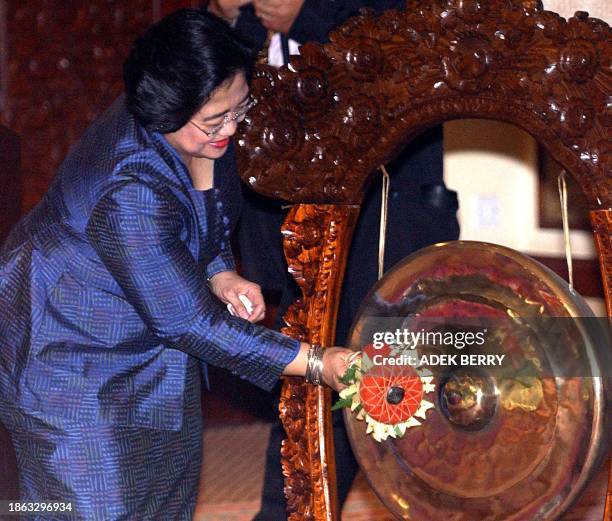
(327, 121)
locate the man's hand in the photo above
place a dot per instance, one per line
(278, 15)
(227, 9)
(228, 286)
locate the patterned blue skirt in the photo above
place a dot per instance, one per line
(110, 472)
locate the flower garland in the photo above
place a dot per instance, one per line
(388, 398)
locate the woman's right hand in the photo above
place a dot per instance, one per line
(335, 365)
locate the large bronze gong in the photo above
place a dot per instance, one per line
(511, 441)
(325, 123)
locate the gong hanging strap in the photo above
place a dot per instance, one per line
(382, 234)
(562, 185)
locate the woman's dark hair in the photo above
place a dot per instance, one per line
(177, 64)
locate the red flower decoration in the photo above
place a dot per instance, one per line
(390, 396)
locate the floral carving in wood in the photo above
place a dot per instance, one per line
(338, 111)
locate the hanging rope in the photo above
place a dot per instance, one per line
(562, 185)
(382, 234)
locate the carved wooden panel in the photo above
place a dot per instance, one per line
(64, 67)
(328, 120)
(313, 236)
(344, 108)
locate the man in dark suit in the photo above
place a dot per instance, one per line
(300, 20)
(421, 210)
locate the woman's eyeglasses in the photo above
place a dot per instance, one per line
(230, 116)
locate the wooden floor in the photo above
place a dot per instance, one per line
(232, 478)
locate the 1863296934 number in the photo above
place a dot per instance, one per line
(25, 507)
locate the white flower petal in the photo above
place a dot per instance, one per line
(422, 410)
(428, 388)
(412, 422)
(348, 391)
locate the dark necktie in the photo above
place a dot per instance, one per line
(285, 48)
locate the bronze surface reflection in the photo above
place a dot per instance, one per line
(500, 445)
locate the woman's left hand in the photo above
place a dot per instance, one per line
(228, 286)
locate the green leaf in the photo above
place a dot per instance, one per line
(349, 377)
(342, 403)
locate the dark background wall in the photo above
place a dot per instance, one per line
(60, 66)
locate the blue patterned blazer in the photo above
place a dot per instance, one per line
(103, 286)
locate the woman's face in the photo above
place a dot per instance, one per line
(192, 141)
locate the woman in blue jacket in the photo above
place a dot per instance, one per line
(113, 290)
